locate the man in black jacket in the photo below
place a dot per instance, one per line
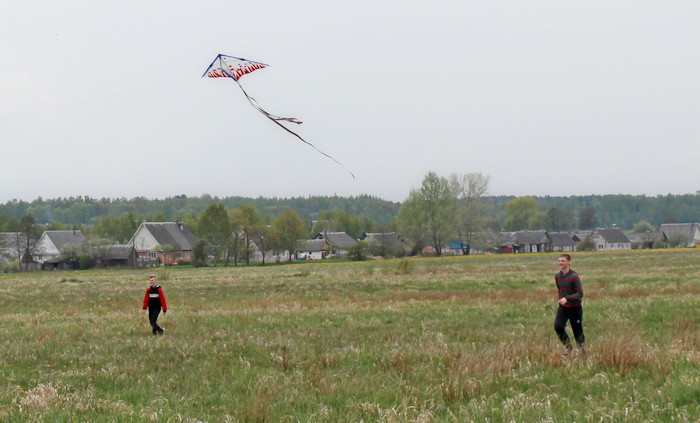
(570, 308)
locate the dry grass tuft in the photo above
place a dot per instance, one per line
(626, 354)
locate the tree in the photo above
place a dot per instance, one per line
(215, 229)
(250, 225)
(290, 230)
(199, 254)
(473, 212)
(642, 227)
(27, 243)
(521, 213)
(586, 244)
(587, 219)
(358, 251)
(558, 220)
(428, 215)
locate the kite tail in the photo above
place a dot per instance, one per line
(276, 120)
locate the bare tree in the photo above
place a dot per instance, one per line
(27, 242)
(473, 212)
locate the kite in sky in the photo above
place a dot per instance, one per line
(234, 67)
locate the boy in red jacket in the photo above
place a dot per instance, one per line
(153, 301)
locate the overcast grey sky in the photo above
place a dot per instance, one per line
(547, 97)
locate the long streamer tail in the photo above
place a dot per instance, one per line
(277, 119)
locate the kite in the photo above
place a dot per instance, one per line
(225, 66)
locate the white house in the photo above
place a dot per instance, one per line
(159, 243)
(47, 253)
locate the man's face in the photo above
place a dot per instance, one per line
(564, 263)
(152, 280)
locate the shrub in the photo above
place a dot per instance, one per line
(358, 252)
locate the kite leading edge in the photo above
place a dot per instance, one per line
(225, 66)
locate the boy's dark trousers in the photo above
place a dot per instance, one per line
(575, 316)
(153, 313)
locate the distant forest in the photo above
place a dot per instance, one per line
(622, 211)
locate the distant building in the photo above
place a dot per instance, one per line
(610, 239)
(118, 255)
(312, 249)
(49, 250)
(336, 242)
(523, 242)
(562, 242)
(646, 240)
(159, 243)
(686, 233)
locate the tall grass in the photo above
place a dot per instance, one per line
(411, 340)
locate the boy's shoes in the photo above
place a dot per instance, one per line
(567, 350)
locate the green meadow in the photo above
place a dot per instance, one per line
(459, 339)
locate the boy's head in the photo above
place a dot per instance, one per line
(564, 261)
(152, 279)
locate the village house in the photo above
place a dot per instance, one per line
(646, 240)
(47, 254)
(562, 242)
(160, 243)
(337, 243)
(687, 234)
(523, 242)
(607, 239)
(118, 255)
(312, 249)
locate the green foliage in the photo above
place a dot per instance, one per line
(559, 220)
(642, 227)
(290, 230)
(429, 215)
(199, 253)
(405, 267)
(587, 219)
(358, 251)
(521, 214)
(214, 229)
(586, 244)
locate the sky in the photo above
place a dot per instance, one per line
(106, 99)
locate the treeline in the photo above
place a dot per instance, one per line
(623, 211)
(86, 210)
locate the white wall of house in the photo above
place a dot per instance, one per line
(45, 249)
(310, 255)
(143, 240)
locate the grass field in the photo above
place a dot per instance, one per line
(464, 339)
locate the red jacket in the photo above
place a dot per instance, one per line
(154, 296)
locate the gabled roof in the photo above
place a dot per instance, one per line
(562, 239)
(119, 252)
(531, 237)
(171, 233)
(313, 245)
(339, 239)
(383, 237)
(61, 238)
(613, 235)
(646, 236)
(687, 230)
(506, 238)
